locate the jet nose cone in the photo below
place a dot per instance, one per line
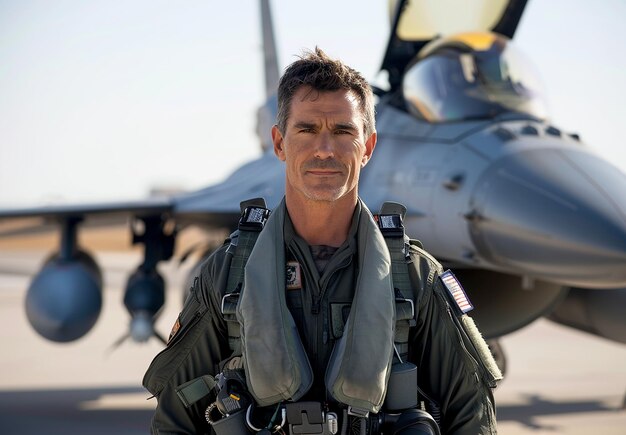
(556, 214)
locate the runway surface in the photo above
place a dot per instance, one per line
(559, 381)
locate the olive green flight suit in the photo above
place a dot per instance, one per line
(450, 370)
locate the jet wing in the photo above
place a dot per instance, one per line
(142, 207)
(24, 221)
(199, 208)
(215, 206)
(417, 22)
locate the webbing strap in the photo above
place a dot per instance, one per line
(399, 269)
(393, 232)
(253, 216)
(245, 243)
(194, 390)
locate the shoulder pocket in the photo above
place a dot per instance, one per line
(192, 311)
(469, 337)
(167, 361)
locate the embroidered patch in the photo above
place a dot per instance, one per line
(456, 291)
(256, 215)
(174, 330)
(389, 221)
(293, 278)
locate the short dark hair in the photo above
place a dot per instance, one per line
(321, 73)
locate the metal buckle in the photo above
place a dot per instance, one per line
(410, 301)
(275, 428)
(228, 295)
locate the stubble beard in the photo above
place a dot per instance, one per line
(325, 194)
(326, 191)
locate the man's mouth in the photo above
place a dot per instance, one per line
(326, 168)
(323, 172)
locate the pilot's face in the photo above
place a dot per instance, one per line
(324, 147)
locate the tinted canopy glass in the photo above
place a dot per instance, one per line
(472, 76)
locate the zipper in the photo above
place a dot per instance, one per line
(315, 305)
(343, 263)
(310, 285)
(317, 289)
(321, 337)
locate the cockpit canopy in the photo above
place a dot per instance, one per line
(471, 76)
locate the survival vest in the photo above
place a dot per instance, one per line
(254, 214)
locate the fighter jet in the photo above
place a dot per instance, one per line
(530, 219)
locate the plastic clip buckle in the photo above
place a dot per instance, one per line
(253, 218)
(358, 412)
(390, 224)
(305, 417)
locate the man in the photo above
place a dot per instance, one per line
(317, 308)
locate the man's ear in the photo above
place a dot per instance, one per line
(277, 139)
(370, 144)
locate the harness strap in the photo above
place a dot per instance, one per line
(390, 223)
(194, 390)
(254, 214)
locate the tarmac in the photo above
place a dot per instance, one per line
(559, 381)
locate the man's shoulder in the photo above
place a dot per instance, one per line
(422, 257)
(213, 264)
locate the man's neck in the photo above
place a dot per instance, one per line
(321, 222)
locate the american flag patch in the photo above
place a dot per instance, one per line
(456, 291)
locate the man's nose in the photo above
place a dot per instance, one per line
(324, 146)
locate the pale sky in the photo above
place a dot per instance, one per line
(104, 99)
